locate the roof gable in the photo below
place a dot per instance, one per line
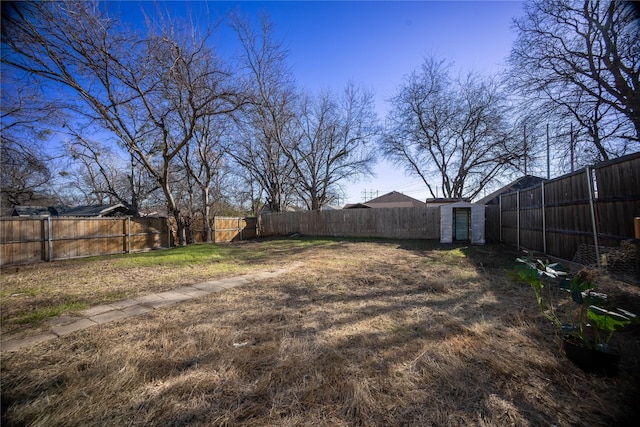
(394, 200)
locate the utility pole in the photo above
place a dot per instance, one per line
(368, 195)
(572, 146)
(525, 147)
(548, 155)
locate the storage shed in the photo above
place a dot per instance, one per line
(462, 221)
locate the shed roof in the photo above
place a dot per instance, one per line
(439, 201)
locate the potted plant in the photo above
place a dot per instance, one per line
(588, 323)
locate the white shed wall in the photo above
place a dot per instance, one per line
(477, 222)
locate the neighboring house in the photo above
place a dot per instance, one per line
(266, 209)
(526, 181)
(28, 211)
(82, 211)
(389, 200)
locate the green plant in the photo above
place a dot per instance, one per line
(589, 319)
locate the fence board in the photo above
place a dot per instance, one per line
(27, 240)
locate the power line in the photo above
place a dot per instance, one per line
(369, 195)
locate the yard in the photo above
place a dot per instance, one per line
(363, 333)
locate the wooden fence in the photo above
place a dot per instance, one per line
(586, 216)
(400, 223)
(227, 229)
(27, 240)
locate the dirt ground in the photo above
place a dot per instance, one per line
(365, 333)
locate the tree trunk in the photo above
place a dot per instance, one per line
(206, 214)
(177, 215)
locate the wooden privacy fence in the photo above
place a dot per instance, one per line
(227, 229)
(586, 216)
(27, 240)
(400, 223)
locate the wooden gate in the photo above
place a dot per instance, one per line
(228, 229)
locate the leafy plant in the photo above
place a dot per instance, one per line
(590, 321)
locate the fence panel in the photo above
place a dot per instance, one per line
(530, 212)
(27, 240)
(586, 216)
(618, 188)
(510, 218)
(148, 233)
(227, 229)
(22, 241)
(400, 223)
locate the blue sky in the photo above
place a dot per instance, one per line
(375, 44)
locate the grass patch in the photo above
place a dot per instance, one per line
(41, 314)
(190, 255)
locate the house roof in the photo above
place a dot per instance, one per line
(96, 210)
(389, 200)
(521, 183)
(32, 211)
(89, 211)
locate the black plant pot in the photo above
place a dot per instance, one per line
(590, 360)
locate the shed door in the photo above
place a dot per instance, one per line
(461, 223)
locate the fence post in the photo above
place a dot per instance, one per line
(518, 219)
(129, 234)
(240, 227)
(544, 220)
(49, 242)
(500, 216)
(593, 214)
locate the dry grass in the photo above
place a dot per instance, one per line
(365, 334)
(32, 293)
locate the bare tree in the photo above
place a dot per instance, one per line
(149, 92)
(105, 177)
(266, 164)
(25, 128)
(302, 143)
(581, 59)
(450, 130)
(268, 118)
(335, 142)
(205, 161)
